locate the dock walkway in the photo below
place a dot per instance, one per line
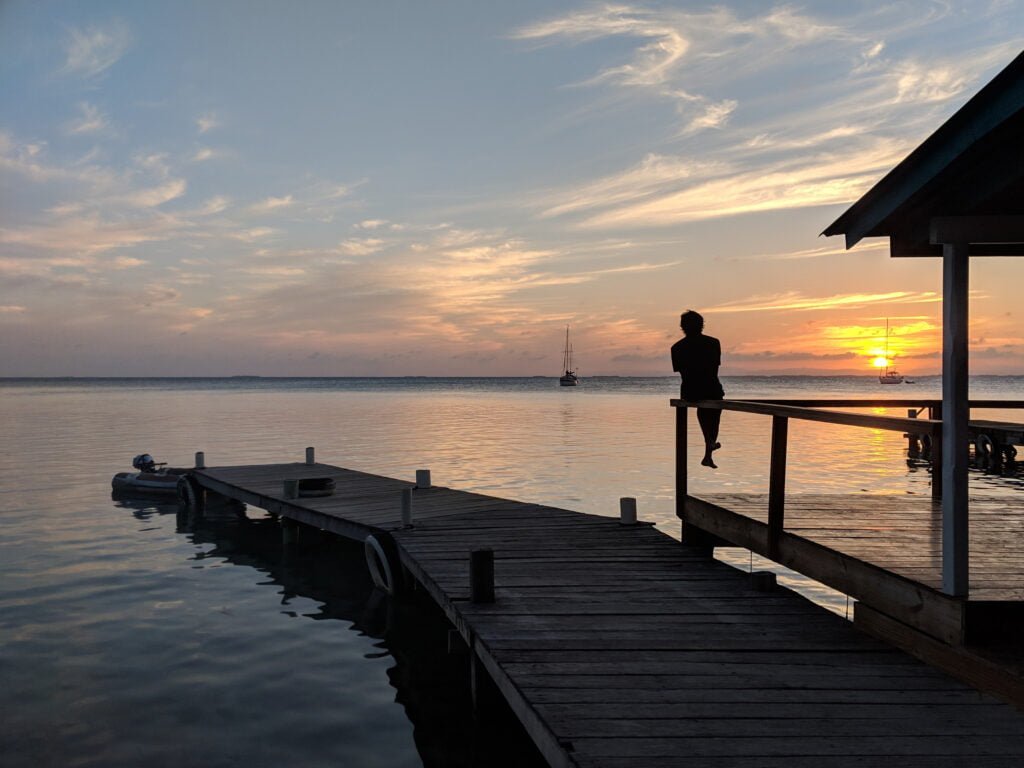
(617, 647)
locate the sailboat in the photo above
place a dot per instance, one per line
(569, 379)
(893, 376)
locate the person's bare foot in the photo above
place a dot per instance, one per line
(707, 462)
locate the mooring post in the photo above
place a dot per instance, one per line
(310, 458)
(481, 575)
(422, 478)
(407, 507)
(290, 488)
(627, 511)
(200, 460)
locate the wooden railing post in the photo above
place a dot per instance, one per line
(681, 491)
(777, 483)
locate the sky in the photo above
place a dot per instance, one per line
(390, 188)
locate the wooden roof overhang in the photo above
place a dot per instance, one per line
(965, 183)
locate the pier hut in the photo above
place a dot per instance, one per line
(907, 561)
(959, 194)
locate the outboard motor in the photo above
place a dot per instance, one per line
(144, 463)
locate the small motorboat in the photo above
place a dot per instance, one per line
(151, 477)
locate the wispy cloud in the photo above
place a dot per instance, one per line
(89, 120)
(791, 301)
(361, 247)
(671, 190)
(272, 203)
(816, 253)
(783, 151)
(92, 50)
(206, 123)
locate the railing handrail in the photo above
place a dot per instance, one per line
(771, 408)
(903, 402)
(955, 553)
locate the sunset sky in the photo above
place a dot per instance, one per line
(439, 188)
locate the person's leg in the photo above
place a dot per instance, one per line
(709, 420)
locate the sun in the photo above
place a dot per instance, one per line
(880, 362)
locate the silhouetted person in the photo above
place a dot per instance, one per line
(697, 357)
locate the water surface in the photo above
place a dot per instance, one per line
(134, 636)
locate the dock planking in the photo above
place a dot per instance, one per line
(618, 647)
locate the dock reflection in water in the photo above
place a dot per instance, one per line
(323, 577)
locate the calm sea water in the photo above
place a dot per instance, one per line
(130, 635)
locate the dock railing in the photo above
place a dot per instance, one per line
(955, 550)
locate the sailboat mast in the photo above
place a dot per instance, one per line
(887, 345)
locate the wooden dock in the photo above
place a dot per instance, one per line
(616, 645)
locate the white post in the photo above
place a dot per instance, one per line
(627, 510)
(200, 460)
(955, 417)
(309, 456)
(422, 478)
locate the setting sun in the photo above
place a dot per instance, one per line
(880, 362)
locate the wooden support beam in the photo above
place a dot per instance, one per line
(977, 229)
(955, 418)
(681, 484)
(777, 484)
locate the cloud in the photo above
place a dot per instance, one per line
(203, 154)
(272, 203)
(360, 247)
(794, 301)
(854, 110)
(215, 204)
(777, 357)
(91, 51)
(672, 190)
(206, 123)
(89, 235)
(89, 120)
(678, 49)
(817, 253)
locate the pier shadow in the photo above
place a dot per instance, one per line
(452, 727)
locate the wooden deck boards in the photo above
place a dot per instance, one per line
(617, 647)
